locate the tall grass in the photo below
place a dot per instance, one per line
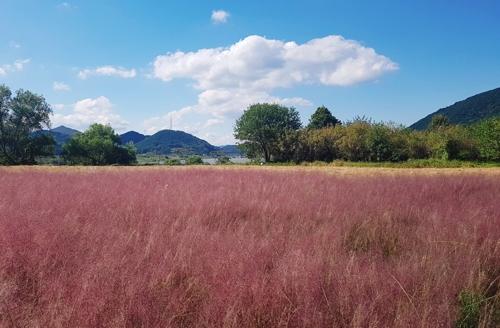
(247, 248)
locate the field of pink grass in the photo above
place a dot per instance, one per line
(245, 248)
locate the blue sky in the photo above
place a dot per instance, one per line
(140, 64)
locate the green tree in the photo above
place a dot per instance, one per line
(386, 142)
(487, 136)
(322, 118)
(262, 126)
(439, 121)
(321, 144)
(223, 160)
(22, 120)
(354, 143)
(98, 145)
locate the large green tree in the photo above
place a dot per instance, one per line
(98, 145)
(322, 118)
(261, 127)
(22, 119)
(487, 136)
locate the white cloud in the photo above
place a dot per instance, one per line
(219, 16)
(58, 107)
(20, 63)
(231, 78)
(14, 45)
(65, 6)
(108, 71)
(257, 62)
(88, 111)
(60, 86)
(17, 66)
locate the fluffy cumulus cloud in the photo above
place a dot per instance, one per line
(88, 111)
(16, 66)
(108, 71)
(219, 16)
(60, 86)
(231, 78)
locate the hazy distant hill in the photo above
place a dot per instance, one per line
(170, 141)
(163, 142)
(61, 135)
(64, 130)
(470, 110)
(230, 150)
(132, 136)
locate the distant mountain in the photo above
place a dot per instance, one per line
(163, 142)
(470, 110)
(61, 135)
(230, 150)
(170, 141)
(132, 136)
(65, 130)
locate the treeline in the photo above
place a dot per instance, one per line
(274, 133)
(25, 135)
(268, 132)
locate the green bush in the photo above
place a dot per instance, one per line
(362, 140)
(487, 135)
(223, 160)
(172, 161)
(194, 160)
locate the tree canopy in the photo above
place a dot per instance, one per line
(22, 117)
(438, 121)
(262, 126)
(98, 145)
(322, 118)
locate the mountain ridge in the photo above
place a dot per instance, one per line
(470, 110)
(164, 142)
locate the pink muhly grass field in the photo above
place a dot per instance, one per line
(243, 248)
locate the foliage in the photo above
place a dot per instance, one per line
(98, 145)
(22, 118)
(366, 141)
(262, 126)
(487, 135)
(438, 121)
(194, 160)
(173, 161)
(322, 118)
(470, 309)
(223, 160)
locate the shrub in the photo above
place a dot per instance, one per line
(487, 135)
(194, 160)
(223, 160)
(173, 161)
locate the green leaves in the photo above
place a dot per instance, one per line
(99, 145)
(262, 125)
(322, 118)
(22, 119)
